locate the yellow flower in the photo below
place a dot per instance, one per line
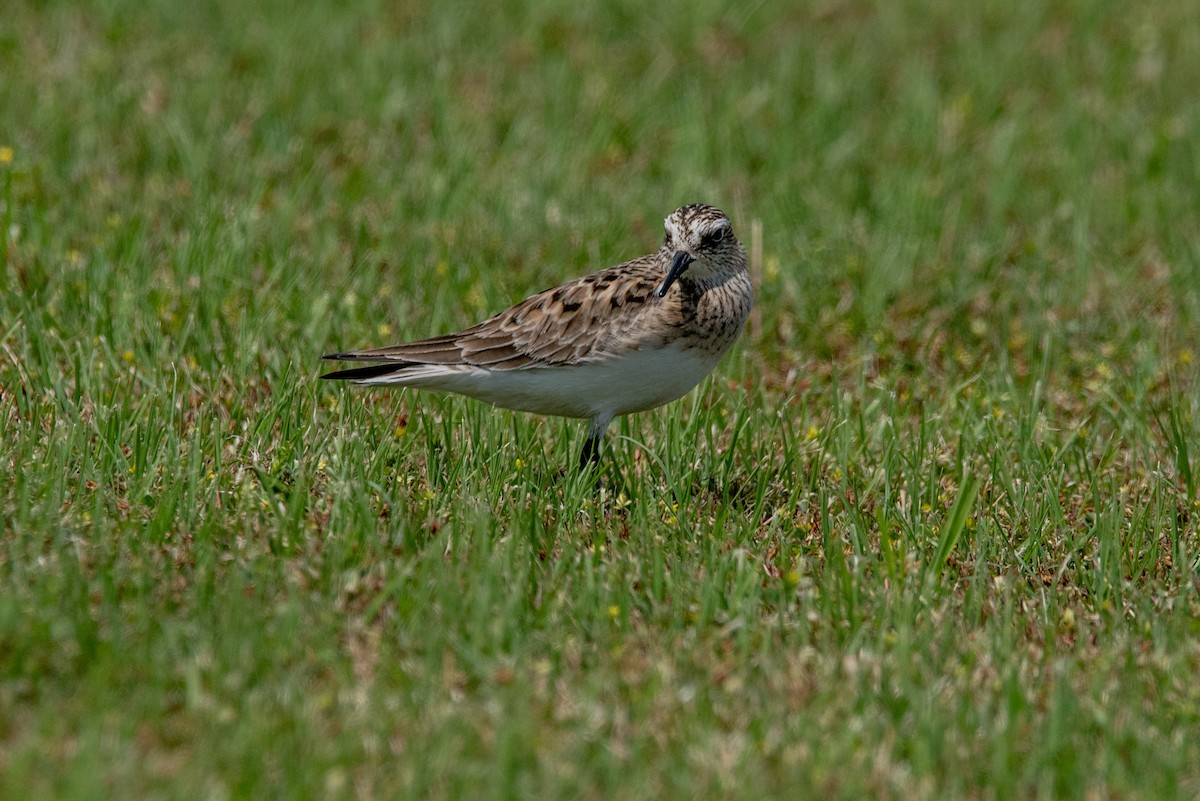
(519, 464)
(128, 356)
(771, 268)
(812, 433)
(385, 330)
(6, 155)
(614, 611)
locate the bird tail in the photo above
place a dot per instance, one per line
(395, 371)
(367, 373)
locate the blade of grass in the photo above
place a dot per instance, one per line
(956, 522)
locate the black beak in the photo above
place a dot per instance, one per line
(678, 265)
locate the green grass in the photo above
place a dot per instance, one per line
(930, 532)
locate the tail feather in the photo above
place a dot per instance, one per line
(355, 356)
(365, 373)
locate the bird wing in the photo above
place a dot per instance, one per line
(584, 320)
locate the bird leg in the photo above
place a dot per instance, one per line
(590, 456)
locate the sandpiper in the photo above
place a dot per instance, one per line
(617, 341)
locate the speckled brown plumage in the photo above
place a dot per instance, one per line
(620, 340)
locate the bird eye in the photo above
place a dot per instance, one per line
(714, 237)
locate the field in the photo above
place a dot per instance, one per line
(932, 531)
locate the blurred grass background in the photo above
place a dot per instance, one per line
(929, 533)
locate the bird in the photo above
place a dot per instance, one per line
(618, 341)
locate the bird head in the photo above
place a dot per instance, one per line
(699, 241)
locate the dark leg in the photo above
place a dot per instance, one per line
(590, 457)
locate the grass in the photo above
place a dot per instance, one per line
(930, 532)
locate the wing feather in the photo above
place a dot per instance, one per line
(587, 319)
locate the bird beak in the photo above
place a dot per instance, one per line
(678, 265)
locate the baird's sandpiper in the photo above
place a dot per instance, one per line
(622, 340)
